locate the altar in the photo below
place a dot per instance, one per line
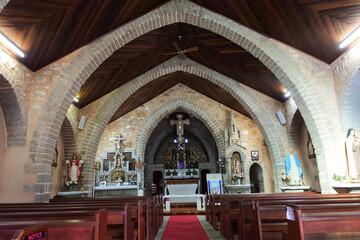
(118, 172)
(183, 191)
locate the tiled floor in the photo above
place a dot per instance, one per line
(212, 234)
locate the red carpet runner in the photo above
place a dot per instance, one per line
(184, 227)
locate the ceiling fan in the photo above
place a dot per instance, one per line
(180, 52)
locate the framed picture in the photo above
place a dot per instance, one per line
(255, 155)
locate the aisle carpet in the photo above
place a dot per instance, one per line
(182, 227)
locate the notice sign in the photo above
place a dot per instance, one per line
(36, 236)
(31, 233)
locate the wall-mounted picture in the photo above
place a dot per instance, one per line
(255, 155)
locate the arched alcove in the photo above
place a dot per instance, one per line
(162, 138)
(256, 178)
(301, 144)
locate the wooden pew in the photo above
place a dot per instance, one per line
(270, 216)
(118, 218)
(321, 220)
(156, 205)
(94, 227)
(232, 216)
(136, 212)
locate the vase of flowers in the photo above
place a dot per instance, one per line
(286, 179)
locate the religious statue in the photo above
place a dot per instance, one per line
(119, 151)
(180, 126)
(293, 169)
(139, 164)
(75, 167)
(352, 145)
(97, 165)
(237, 174)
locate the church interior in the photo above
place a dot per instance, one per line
(179, 107)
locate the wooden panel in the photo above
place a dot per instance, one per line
(48, 30)
(162, 84)
(146, 52)
(313, 26)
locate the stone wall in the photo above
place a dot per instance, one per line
(130, 124)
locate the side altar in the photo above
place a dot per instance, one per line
(116, 173)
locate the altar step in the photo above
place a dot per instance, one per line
(184, 209)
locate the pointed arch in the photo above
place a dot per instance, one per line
(68, 137)
(257, 112)
(184, 105)
(91, 56)
(14, 113)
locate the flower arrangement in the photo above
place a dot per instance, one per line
(339, 178)
(286, 179)
(237, 176)
(70, 183)
(356, 142)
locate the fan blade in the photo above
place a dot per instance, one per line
(192, 49)
(182, 55)
(170, 53)
(177, 47)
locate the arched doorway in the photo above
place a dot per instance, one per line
(203, 182)
(256, 178)
(158, 180)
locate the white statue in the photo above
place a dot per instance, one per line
(75, 168)
(352, 145)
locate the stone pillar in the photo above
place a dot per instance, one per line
(228, 170)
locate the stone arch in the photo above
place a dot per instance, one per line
(349, 103)
(174, 105)
(295, 127)
(263, 121)
(14, 113)
(69, 139)
(91, 56)
(161, 133)
(257, 166)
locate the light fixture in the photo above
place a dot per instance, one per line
(349, 39)
(287, 94)
(76, 99)
(11, 45)
(186, 140)
(175, 141)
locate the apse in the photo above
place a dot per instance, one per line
(163, 150)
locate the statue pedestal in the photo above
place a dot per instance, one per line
(240, 188)
(292, 189)
(346, 187)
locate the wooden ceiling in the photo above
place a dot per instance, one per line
(48, 30)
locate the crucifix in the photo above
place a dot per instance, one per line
(180, 126)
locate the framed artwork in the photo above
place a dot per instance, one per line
(214, 187)
(255, 155)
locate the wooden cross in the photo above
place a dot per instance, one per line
(180, 126)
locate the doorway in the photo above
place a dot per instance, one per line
(158, 180)
(203, 182)
(256, 178)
